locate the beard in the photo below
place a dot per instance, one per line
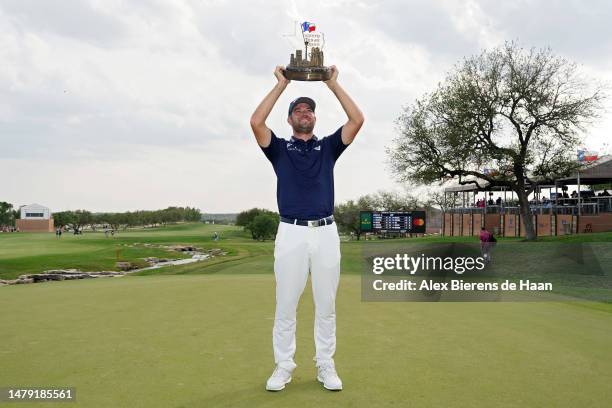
(303, 127)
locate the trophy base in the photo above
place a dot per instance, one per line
(307, 74)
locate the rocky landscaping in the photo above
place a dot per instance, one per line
(59, 275)
(123, 266)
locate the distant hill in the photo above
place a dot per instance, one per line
(221, 218)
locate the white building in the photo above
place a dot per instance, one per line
(35, 218)
(34, 212)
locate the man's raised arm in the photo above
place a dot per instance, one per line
(355, 117)
(258, 119)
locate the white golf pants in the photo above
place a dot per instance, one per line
(298, 250)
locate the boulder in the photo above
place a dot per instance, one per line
(184, 248)
(125, 266)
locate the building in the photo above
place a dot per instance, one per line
(299, 60)
(559, 214)
(35, 218)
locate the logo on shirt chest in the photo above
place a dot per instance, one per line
(304, 149)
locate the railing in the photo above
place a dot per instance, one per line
(603, 204)
(586, 208)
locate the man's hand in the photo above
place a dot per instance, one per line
(334, 77)
(280, 77)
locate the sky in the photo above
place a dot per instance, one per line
(112, 105)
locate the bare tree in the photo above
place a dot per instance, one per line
(441, 200)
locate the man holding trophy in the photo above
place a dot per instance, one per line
(307, 238)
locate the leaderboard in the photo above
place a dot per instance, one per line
(382, 221)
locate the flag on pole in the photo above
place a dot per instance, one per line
(308, 27)
(586, 156)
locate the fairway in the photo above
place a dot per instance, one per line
(199, 335)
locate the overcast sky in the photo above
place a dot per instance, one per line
(121, 105)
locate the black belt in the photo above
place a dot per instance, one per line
(309, 223)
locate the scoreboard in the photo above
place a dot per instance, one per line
(377, 221)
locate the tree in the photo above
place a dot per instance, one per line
(114, 220)
(441, 200)
(75, 219)
(347, 216)
(63, 218)
(513, 110)
(244, 218)
(260, 222)
(81, 218)
(7, 215)
(263, 226)
(393, 201)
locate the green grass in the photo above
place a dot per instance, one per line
(205, 341)
(199, 335)
(22, 253)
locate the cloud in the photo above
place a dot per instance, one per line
(80, 20)
(574, 28)
(146, 104)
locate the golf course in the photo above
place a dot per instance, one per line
(199, 335)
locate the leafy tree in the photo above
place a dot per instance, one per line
(77, 219)
(7, 216)
(81, 218)
(347, 217)
(63, 218)
(513, 110)
(246, 217)
(263, 226)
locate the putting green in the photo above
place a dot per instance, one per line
(205, 341)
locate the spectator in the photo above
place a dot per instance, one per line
(487, 241)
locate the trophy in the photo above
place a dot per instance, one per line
(308, 65)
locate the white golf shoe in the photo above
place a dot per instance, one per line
(279, 378)
(329, 377)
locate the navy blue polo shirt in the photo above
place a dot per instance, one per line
(305, 174)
